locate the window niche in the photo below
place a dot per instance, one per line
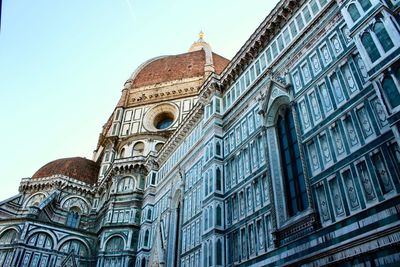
(377, 40)
(73, 217)
(336, 197)
(365, 180)
(293, 175)
(146, 238)
(218, 148)
(138, 149)
(218, 215)
(125, 184)
(323, 204)
(382, 174)
(218, 179)
(350, 190)
(390, 90)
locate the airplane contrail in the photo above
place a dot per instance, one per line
(130, 9)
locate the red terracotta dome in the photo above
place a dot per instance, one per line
(81, 169)
(177, 67)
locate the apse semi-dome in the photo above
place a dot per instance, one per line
(81, 169)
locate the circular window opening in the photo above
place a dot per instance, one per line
(163, 120)
(161, 117)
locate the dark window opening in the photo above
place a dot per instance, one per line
(295, 189)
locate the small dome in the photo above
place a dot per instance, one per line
(81, 169)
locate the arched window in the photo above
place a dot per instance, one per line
(115, 244)
(159, 146)
(293, 176)
(41, 240)
(143, 262)
(107, 153)
(391, 92)
(122, 153)
(353, 11)
(209, 253)
(365, 4)
(218, 180)
(205, 220)
(219, 252)
(107, 156)
(141, 182)
(219, 215)
(75, 246)
(210, 182)
(149, 214)
(370, 46)
(205, 253)
(146, 238)
(206, 184)
(383, 36)
(8, 237)
(218, 150)
(138, 148)
(125, 184)
(153, 178)
(210, 217)
(73, 217)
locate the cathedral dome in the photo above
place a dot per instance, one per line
(178, 67)
(78, 168)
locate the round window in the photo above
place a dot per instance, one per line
(161, 117)
(163, 121)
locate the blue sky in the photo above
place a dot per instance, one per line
(63, 65)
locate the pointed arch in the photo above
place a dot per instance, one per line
(292, 169)
(273, 108)
(284, 154)
(146, 238)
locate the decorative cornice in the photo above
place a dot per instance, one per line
(164, 91)
(55, 182)
(261, 36)
(312, 41)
